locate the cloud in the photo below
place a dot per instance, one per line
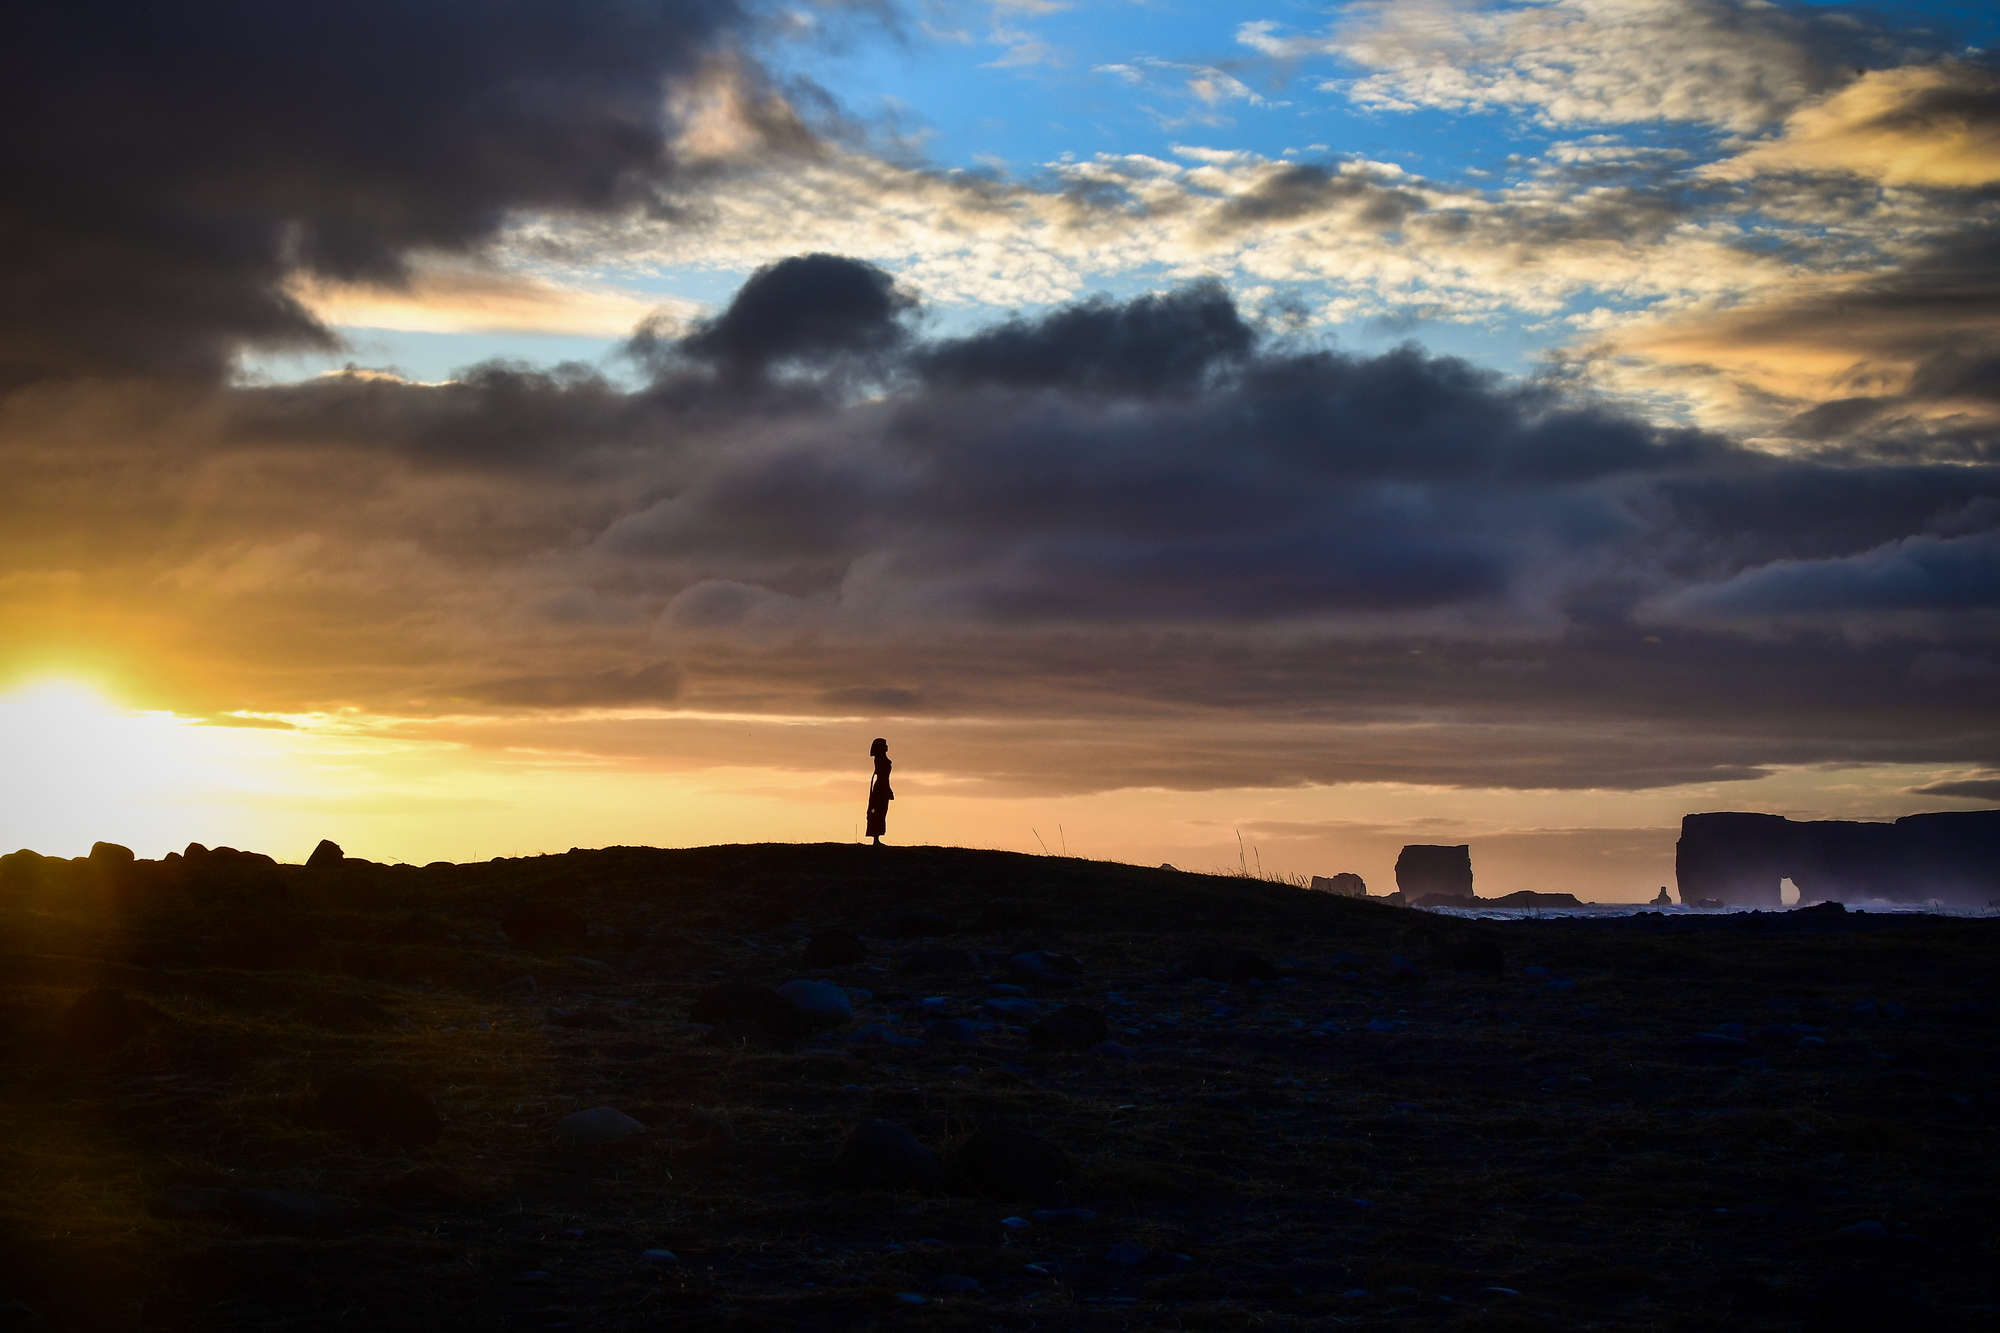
(456, 297)
(189, 163)
(805, 308)
(656, 684)
(1925, 125)
(1968, 789)
(1736, 64)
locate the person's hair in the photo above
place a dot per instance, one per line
(879, 747)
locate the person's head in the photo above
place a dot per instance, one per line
(879, 747)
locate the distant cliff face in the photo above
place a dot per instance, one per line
(1739, 858)
(1426, 868)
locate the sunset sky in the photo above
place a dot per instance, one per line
(1188, 432)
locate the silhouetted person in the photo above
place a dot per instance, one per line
(879, 794)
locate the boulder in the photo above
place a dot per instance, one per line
(1009, 1164)
(1428, 868)
(1074, 1027)
(600, 1124)
(541, 925)
(834, 948)
(882, 1155)
(1346, 884)
(1219, 962)
(820, 1003)
(110, 855)
(326, 856)
(103, 1019)
(378, 1109)
(1037, 968)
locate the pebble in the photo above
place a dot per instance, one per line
(1006, 988)
(1381, 1025)
(658, 1257)
(1014, 1223)
(1064, 1214)
(1811, 1043)
(1125, 1254)
(955, 1282)
(600, 1124)
(1045, 1270)
(1497, 1291)
(911, 1298)
(1355, 1294)
(1012, 1006)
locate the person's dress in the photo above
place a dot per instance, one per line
(879, 797)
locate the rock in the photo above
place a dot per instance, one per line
(103, 1019)
(1665, 899)
(928, 962)
(1111, 1050)
(286, 1212)
(1476, 953)
(956, 1283)
(1346, 884)
(110, 855)
(1427, 868)
(1739, 858)
(882, 1155)
(820, 1003)
(1009, 1164)
(885, 1035)
(834, 948)
(1531, 898)
(326, 856)
(378, 1109)
(600, 1124)
(1074, 1027)
(658, 1257)
(1125, 1254)
(1219, 962)
(538, 925)
(1012, 1007)
(960, 1031)
(1826, 911)
(345, 1013)
(1044, 969)
(745, 1012)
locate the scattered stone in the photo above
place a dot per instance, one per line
(286, 1212)
(834, 948)
(658, 1257)
(1074, 1027)
(960, 1031)
(378, 1109)
(1065, 1214)
(911, 1298)
(927, 962)
(601, 1124)
(1220, 963)
(1014, 1223)
(819, 1002)
(1012, 1006)
(955, 1282)
(103, 1019)
(1044, 969)
(326, 856)
(882, 1155)
(1009, 1164)
(1125, 1254)
(539, 925)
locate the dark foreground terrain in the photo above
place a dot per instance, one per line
(278, 1098)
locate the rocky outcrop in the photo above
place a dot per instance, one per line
(1424, 869)
(1346, 884)
(1738, 859)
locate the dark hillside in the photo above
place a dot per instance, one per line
(1013, 1093)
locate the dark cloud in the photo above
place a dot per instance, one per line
(1165, 343)
(1276, 565)
(1970, 789)
(170, 166)
(809, 308)
(656, 684)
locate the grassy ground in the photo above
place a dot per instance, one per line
(1521, 1151)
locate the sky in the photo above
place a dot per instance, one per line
(1245, 438)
